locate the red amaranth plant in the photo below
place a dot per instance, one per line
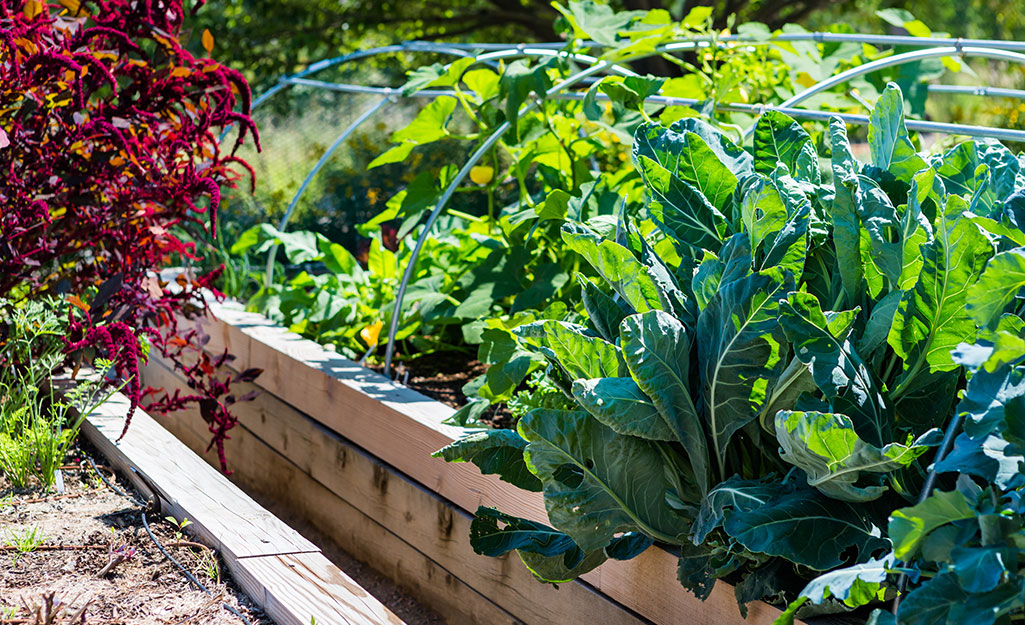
(108, 148)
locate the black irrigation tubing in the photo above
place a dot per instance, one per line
(145, 523)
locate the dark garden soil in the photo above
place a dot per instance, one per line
(441, 376)
(81, 532)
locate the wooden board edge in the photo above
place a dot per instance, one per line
(644, 583)
(261, 590)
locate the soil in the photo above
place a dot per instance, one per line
(81, 532)
(441, 376)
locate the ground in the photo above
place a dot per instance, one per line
(92, 524)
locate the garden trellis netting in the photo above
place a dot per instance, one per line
(591, 67)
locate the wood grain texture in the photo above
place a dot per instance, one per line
(223, 516)
(279, 569)
(299, 587)
(351, 530)
(433, 526)
(402, 427)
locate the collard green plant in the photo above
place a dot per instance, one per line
(767, 355)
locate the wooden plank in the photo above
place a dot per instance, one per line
(223, 516)
(391, 422)
(279, 484)
(297, 588)
(430, 524)
(270, 561)
(402, 428)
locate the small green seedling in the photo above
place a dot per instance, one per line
(180, 525)
(23, 543)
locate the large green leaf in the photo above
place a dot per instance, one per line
(942, 601)
(910, 526)
(689, 158)
(741, 349)
(780, 139)
(551, 555)
(732, 263)
(992, 458)
(843, 211)
(494, 451)
(983, 170)
(680, 208)
(888, 140)
(617, 265)
(598, 483)
(620, 404)
(844, 379)
(598, 21)
(932, 319)
(999, 284)
(775, 216)
(855, 585)
(428, 126)
(987, 398)
(603, 311)
(882, 252)
(835, 458)
(578, 353)
(736, 158)
(657, 350)
(807, 528)
(733, 494)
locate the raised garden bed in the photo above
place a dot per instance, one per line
(285, 575)
(349, 450)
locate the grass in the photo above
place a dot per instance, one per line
(26, 542)
(37, 427)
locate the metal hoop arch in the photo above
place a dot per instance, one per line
(895, 60)
(389, 94)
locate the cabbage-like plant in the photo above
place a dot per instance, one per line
(765, 361)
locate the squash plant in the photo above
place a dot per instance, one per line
(767, 355)
(569, 160)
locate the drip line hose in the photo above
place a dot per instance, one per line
(145, 523)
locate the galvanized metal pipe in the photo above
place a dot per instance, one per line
(893, 61)
(451, 189)
(367, 114)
